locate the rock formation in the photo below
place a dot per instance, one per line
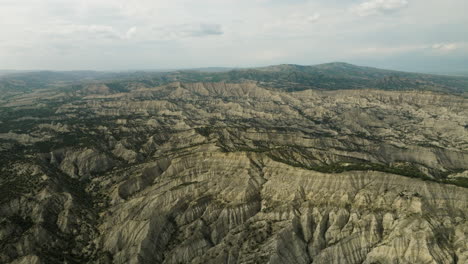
(216, 172)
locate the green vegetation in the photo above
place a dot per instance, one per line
(22, 120)
(404, 170)
(205, 131)
(12, 183)
(407, 170)
(118, 87)
(463, 182)
(24, 223)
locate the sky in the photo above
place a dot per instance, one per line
(412, 35)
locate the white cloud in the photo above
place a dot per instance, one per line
(373, 7)
(313, 18)
(183, 31)
(445, 46)
(388, 50)
(292, 23)
(130, 32)
(399, 49)
(105, 34)
(77, 31)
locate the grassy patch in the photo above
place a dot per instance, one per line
(404, 170)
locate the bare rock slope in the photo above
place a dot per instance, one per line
(234, 173)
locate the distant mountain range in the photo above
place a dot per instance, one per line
(287, 77)
(463, 73)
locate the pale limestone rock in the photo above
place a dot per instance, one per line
(224, 173)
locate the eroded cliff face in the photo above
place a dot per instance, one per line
(212, 207)
(237, 173)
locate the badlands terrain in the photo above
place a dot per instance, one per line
(332, 163)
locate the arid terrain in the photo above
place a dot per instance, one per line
(332, 163)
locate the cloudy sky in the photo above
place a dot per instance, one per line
(415, 35)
